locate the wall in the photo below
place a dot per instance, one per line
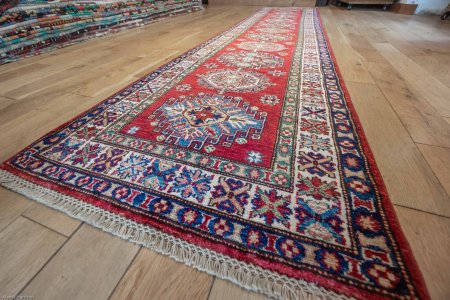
(428, 6)
(264, 2)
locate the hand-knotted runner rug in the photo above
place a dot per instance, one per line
(244, 158)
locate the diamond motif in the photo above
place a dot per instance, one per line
(227, 80)
(205, 120)
(204, 115)
(261, 46)
(269, 37)
(247, 59)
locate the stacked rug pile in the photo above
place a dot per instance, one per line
(30, 27)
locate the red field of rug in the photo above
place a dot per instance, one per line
(243, 158)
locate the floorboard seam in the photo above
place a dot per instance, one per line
(45, 226)
(439, 146)
(415, 143)
(10, 98)
(12, 221)
(211, 287)
(422, 211)
(49, 259)
(124, 273)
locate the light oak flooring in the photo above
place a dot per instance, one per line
(397, 69)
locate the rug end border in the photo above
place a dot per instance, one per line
(245, 275)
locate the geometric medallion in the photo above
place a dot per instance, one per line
(267, 37)
(226, 80)
(247, 59)
(261, 46)
(205, 120)
(273, 30)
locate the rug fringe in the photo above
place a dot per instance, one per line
(246, 275)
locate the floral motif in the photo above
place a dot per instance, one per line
(86, 153)
(269, 99)
(290, 248)
(331, 261)
(106, 118)
(315, 142)
(159, 174)
(210, 148)
(183, 87)
(86, 133)
(272, 30)
(64, 149)
(132, 167)
(324, 224)
(266, 37)
(277, 73)
(261, 46)
(210, 65)
(382, 275)
(254, 238)
(316, 163)
(230, 195)
(317, 188)
(314, 126)
(107, 159)
(192, 184)
(227, 80)
(271, 207)
(133, 129)
(247, 59)
(254, 157)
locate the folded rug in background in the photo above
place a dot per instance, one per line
(31, 27)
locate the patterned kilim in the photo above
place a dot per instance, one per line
(242, 157)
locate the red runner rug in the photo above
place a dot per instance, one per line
(244, 158)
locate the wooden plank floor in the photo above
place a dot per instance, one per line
(397, 69)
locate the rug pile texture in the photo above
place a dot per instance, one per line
(31, 27)
(243, 158)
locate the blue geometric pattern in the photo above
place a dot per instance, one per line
(205, 119)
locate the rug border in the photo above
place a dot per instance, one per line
(241, 273)
(288, 287)
(388, 205)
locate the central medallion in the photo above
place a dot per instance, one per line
(251, 59)
(261, 46)
(268, 37)
(227, 80)
(201, 120)
(204, 115)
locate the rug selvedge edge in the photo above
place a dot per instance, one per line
(388, 205)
